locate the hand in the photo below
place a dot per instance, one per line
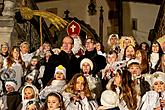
(75, 98)
(41, 48)
(82, 94)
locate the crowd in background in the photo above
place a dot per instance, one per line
(83, 75)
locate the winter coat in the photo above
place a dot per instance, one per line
(84, 104)
(56, 86)
(151, 100)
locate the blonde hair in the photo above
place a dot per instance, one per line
(123, 38)
(24, 43)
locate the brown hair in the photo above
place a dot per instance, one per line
(10, 59)
(128, 90)
(144, 62)
(71, 86)
(162, 67)
(57, 95)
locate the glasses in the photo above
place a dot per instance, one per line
(89, 42)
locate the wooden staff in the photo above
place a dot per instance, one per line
(41, 42)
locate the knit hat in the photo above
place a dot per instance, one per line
(61, 69)
(157, 76)
(11, 82)
(132, 61)
(87, 60)
(109, 99)
(4, 44)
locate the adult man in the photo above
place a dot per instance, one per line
(67, 58)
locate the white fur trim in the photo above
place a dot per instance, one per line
(109, 99)
(87, 60)
(13, 84)
(61, 69)
(157, 76)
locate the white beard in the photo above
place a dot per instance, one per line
(77, 45)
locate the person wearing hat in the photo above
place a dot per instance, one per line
(29, 94)
(29, 80)
(142, 86)
(65, 58)
(155, 99)
(113, 42)
(57, 84)
(99, 61)
(86, 67)
(120, 92)
(113, 92)
(4, 52)
(109, 101)
(11, 98)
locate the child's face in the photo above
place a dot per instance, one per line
(59, 76)
(138, 56)
(80, 83)
(28, 93)
(159, 86)
(117, 79)
(155, 48)
(113, 40)
(9, 88)
(15, 54)
(86, 68)
(144, 46)
(53, 103)
(111, 58)
(4, 49)
(98, 46)
(24, 48)
(130, 52)
(34, 62)
(135, 70)
(126, 42)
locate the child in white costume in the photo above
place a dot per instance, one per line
(77, 95)
(57, 84)
(29, 94)
(155, 99)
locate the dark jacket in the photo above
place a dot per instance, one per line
(50, 69)
(70, 62)
(13, 100)
(99, 61)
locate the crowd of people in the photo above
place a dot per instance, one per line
(122, 76)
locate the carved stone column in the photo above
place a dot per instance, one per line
(9, 6)
(7, 21)
(6, 28)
